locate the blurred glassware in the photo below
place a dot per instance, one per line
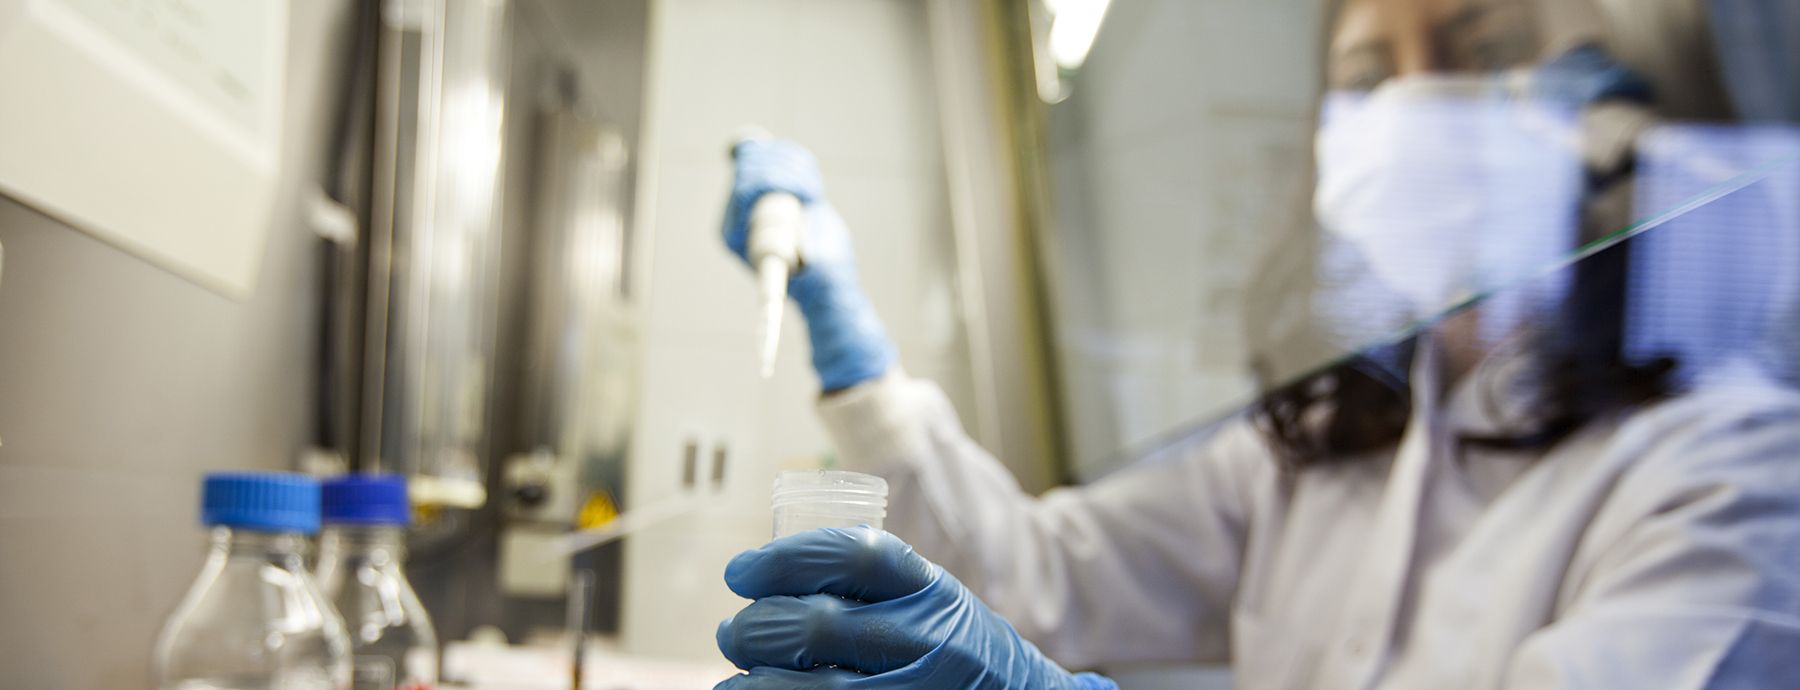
(433, 246)
(254, 619)
(362, 554)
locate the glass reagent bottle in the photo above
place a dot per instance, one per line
(361, 558)
(254, 619)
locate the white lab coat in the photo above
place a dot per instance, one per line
(1654, 549)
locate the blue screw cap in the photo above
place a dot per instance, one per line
(366, 499)
(261, 501)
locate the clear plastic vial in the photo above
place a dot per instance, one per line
(255, 619)
(361, 557)
(811, 499)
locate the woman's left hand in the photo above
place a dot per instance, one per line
(857, 608)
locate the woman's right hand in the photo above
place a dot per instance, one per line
(849, 345)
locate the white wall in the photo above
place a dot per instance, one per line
(852, 81)
(121, 383)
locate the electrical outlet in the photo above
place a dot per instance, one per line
(721, 453)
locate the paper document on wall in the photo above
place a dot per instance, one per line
(153, 124)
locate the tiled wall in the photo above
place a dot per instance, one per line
(852, 81)
(120, 384)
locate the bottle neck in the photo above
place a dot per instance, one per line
(230, 542)
(377, 544)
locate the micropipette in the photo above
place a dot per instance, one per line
(777, 222)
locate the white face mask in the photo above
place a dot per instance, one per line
(1449, 186)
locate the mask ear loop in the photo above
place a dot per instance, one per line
(1496, 377)
(1509, 434)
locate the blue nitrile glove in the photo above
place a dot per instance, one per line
(849, 345)
(856, 608)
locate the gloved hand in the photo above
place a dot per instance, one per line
(856, 608)
(849, 346)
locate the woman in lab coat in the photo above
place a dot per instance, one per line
(1501, 501)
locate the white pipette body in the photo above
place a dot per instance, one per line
(777, 222)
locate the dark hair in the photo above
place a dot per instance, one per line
(1363, 403)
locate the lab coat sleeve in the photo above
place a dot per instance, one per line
(1691, 580)
(1138, 567)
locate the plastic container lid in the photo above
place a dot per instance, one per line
(366, 499)
(807, 500)
(830, 486)
(262, 501)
